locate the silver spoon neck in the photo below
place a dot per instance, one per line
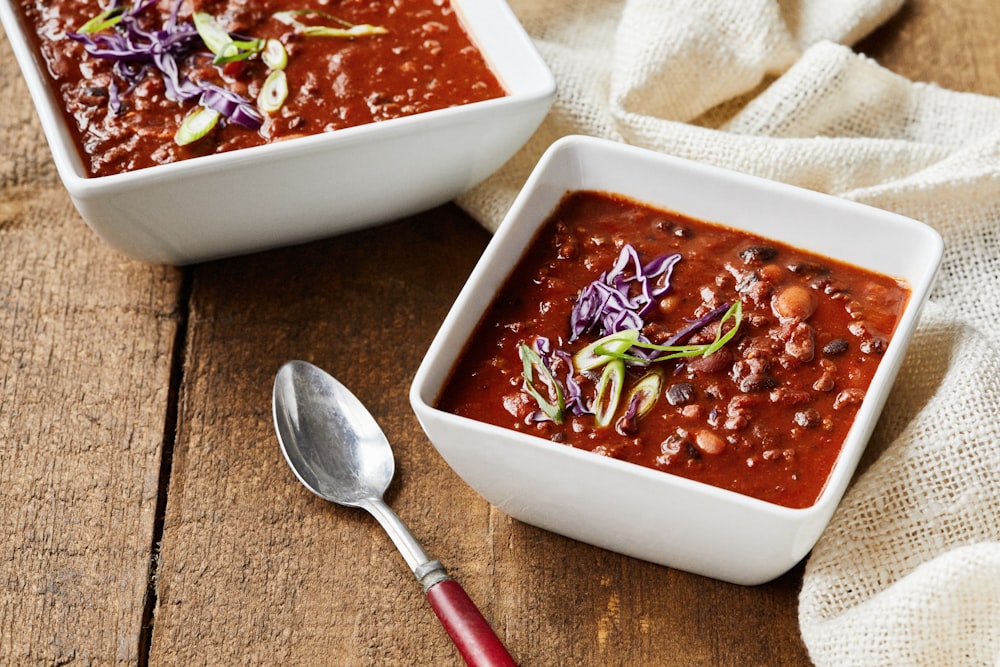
(408, 546)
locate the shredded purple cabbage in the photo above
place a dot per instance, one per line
(573, 393)
(620, 298)
(138, 51)
(695, 325)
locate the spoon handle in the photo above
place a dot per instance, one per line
(471, 633)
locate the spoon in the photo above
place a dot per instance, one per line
(337, 450)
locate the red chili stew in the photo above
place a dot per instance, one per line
(418, 58)
(752, 357)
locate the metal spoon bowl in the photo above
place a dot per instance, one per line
(337, 450)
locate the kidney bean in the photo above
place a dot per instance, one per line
(709, 443)
(716, 362)
(808, 417)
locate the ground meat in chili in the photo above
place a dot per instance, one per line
(765, 416)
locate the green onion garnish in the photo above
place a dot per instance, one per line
(609, 392)
(603, 350)
(220, 42)
(361, 30)
(273, 92)
(274, 54)
(552, 403)
(106, 19)
(610, 346)
(196, 125)
(645, 393)
(345, 29)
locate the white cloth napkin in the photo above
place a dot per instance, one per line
(908, 572)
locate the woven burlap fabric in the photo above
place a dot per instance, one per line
(908, 572)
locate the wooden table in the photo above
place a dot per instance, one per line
(147, 515)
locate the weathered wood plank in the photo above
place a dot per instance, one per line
(85, 360)
(253, 565)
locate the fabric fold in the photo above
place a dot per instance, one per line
(675, 60)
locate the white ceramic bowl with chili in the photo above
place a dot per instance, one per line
(306, 187)
(527, 468)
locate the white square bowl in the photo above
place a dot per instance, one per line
(624, 507)
(304, 188)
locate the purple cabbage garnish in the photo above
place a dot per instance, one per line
(572, 391)
(620, 298)
(569, 390)
(695, 325)
(137, 52)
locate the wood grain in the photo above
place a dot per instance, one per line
(953, 44)
(86, 354)
(139, 472)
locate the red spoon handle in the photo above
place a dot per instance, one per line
(472, 635)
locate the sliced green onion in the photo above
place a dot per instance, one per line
(106, 19)
(196, 125)
(220, 42)
(360, 30)
(735, 313)
(274, 54)
(273, 92)
(216, 38)
(645, 393)
(603, 350)
(609, 392)
(552, 403)
(346, 29)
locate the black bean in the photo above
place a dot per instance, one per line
(751, 375)
(755, 383)
(758, 254)
(673, 228)
(835, 347)
(808, 268)
(680, 393)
